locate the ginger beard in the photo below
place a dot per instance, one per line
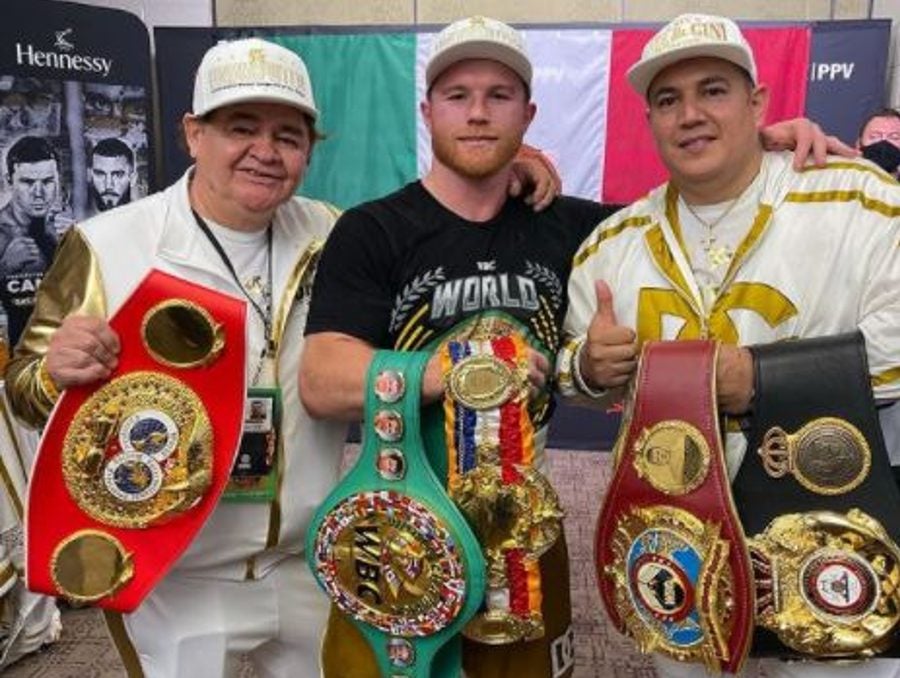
(477, 161)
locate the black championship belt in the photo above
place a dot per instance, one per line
(817, 491)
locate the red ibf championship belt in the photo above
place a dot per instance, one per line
(129, 469)
(673, 566)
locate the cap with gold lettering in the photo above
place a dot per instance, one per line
(478, 37)
(687, 37)
(252, 70)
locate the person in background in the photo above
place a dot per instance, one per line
(879, 140)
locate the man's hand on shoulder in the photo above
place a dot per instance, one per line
(609, 355)
(84, 349)
(805, 138)
(533, 170)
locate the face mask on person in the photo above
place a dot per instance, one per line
(884, 154)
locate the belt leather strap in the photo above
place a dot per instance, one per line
(672, 564)
(388, 546)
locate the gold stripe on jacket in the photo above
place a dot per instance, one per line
(72, 285)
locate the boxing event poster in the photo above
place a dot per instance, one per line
(75, 132)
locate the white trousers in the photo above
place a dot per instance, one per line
(191, 627)
(775, 668)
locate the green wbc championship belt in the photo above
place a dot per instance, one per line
(388, 546)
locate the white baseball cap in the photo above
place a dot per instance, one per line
(478, 37)
(252, 70)
(689, 36)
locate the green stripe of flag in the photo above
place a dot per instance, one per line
(364, 86)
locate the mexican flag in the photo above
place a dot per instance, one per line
(589, 120)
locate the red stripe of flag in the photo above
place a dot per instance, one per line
(632, 166)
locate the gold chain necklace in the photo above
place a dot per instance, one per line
(717, 255)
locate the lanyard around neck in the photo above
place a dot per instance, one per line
(264, 315)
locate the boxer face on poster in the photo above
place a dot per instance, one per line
(32, 172)
(35, 189)
(110, 174)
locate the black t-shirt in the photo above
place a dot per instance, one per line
(401, 271)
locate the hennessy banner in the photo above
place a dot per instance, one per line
(75, 132)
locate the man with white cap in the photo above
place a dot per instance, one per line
(451, 256)
(231, 223)
(742, 248)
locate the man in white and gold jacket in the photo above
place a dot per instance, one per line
(817, 260)
(738, 246)
(243, 585)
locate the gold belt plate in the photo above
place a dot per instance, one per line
(180, 333)
(828, 456)
(89, 565)
(389, 561)
(828, 584)
(525, 514)
(138, 451)
(673, 587)
(501, 627)
(673, 456)
(483, 382)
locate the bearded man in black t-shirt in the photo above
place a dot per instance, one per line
(454, 256)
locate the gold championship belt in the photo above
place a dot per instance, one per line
(817, 489)
(138, 451)
(828, 584)
(827, 456)
(491, 477)
(129, 469)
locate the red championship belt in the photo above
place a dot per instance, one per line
(673, 565)
(129, 469)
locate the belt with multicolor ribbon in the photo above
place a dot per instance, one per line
(491, 476)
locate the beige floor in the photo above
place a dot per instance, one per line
(85, 652)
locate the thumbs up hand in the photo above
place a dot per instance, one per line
(609, 355)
